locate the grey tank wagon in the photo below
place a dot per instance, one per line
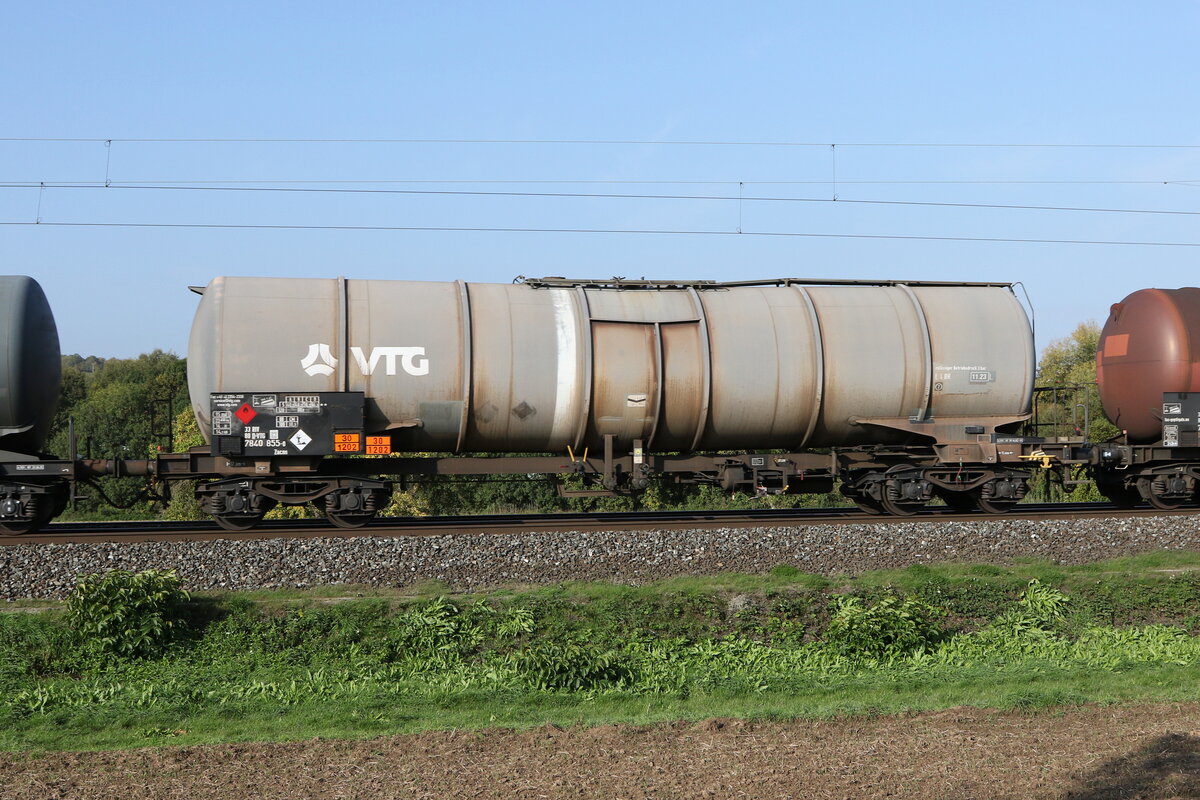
(901, 391)
(914, 381)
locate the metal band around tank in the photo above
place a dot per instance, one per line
(566, 335)
(585, 337)
(343, 303)
(819, 372)
(928, 342)
(706, 358)
(659, 377)
(464, 313)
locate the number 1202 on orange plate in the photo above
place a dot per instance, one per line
(379, 445)
(347, 442)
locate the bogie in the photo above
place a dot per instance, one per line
(25, 508)
(240, 504)
(998, 496)
(1168, 491)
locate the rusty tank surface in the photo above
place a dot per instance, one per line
(547, 364)
(1150, 344)
(30, 365)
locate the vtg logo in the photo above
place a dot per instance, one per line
(320, 360)
(321, 351)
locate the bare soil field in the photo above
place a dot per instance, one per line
(1092, 753)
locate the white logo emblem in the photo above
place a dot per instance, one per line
(320, 360)
(300, 439)
(309, 362)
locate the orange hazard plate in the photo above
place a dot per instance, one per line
(379, 445)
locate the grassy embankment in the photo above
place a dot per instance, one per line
(293, 665)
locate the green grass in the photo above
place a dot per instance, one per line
(360, 662)
(102, 729)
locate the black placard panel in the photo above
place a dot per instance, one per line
(287, 423)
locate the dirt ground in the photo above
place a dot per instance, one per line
(1150, 751)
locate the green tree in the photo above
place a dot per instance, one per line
(1071, 362)
(113, 403)
(184, 506)
(72, 391)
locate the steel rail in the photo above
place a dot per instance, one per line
(144, 531)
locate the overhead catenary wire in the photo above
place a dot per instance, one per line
(659, 231)
(739, 198)
(672, 142)
(590, 181)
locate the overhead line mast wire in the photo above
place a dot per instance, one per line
(674, 142)
(589, 181)
(599, 195)
(471, 229)
(1192, 182)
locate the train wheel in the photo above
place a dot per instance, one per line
(986, 497)
(233, 504)
(903, 492)
(344, 519)
(962, 502)
(993, 506)
(17, 527)
(1167, 492)
(999, 495)
(42, 515)
(898, 509)
(352, 507)
(1163, 504)
(237, 522)
(865, 503)
(1158, 492)
(868, 506)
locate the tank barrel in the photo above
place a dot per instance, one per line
(1150, 344)
(30, 364)
(549, 364)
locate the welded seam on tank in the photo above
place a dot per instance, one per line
(659, 378)
(343, 332)
(566, 334)
(819, 369)
(706, 365)
(465, 333)
(584, 330)
(928, 349)
(1030, 353)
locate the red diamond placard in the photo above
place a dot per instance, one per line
(246, 413)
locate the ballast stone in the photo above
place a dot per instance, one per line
(478, 561)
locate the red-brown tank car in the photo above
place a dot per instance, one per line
(1150, 345)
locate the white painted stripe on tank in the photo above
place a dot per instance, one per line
(566, 331)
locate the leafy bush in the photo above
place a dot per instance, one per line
(126, 613)
(573, 666)
(1038, 609)
(888, 629)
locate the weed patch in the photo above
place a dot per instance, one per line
(140, 662)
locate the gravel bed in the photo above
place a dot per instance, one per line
(480, 560)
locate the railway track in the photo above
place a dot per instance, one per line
(68, 532)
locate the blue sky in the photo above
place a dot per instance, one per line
(1011, 73)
